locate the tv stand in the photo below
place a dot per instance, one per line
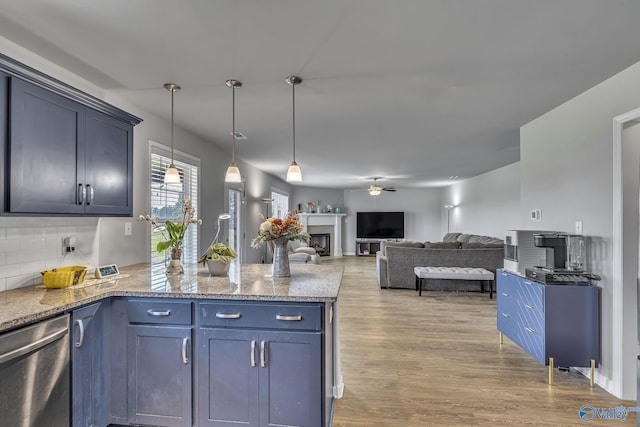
(368, 247)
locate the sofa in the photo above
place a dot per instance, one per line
(396, 260)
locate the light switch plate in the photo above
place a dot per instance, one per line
(127, 229)
(578, 227)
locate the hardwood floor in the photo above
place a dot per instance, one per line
(437, 361)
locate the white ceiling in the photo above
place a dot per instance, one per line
(411, 90)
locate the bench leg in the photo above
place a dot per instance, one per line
(420, 292)
(491, 284)
(417, 280)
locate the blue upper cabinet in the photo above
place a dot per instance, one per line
(63, 151)
(46, 151)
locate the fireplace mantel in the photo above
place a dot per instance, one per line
(335, 220)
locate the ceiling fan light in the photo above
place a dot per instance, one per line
(171, 175)
(233, 174)
(294, 174)
(375, 191)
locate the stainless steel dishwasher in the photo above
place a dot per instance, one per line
(35, 376)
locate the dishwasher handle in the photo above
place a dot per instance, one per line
(36, 345)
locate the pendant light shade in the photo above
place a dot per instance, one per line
(294, 174)
(233, 173)
(171, 175)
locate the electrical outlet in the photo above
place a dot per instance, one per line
(127, 229)
(578, 227)
(536, 215)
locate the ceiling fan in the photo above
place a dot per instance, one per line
(375, 190)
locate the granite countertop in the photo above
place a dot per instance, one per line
(251, 282)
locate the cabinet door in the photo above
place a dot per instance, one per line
(109, 165)
(89, 370)
(160, 378)
(227, 383)
(290, 379)
(46, 158)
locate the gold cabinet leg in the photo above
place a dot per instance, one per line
(593, 373)
(551, 371)
(501, 338)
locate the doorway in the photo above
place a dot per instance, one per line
(626, 251)
(235, 207)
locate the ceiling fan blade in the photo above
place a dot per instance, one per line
(388, 189)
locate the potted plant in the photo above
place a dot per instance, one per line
(218, 258)
(173, 234)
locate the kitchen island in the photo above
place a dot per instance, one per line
(193, 349)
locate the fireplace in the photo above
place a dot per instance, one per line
(321, 243)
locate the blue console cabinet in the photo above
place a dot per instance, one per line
(558, 321)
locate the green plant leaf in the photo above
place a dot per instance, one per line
(163, 246)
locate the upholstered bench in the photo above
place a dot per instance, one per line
(459, 273)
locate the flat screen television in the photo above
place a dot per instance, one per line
(380, 225)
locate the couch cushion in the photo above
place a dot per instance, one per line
(450, 237)
(442, 245)
(407, 244)
(480, 245)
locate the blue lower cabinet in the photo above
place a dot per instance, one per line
(559, 321)
(291, 379)
(259, 378)
(89, 358)
(160, 377)
(227, 378)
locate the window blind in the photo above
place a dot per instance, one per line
(167, 203)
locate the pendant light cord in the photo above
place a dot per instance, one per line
(233, 124)
(293, 91)
(173, 90)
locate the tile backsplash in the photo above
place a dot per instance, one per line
(30, 245)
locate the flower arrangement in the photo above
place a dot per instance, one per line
(173, 233)
(274, 228)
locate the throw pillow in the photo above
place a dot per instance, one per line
(450, 237)
(464, 238)
(305, 250)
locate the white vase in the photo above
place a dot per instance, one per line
(217, 267)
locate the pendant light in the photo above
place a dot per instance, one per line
(171, 175)
(294, 174)
(233, 173)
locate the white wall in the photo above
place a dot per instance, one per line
(421, 209)
(566, 162)
(487, 204)
(301, 195)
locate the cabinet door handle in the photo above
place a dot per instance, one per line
(185, 345)
(253, 353)
(529, 306)
(505, 315)
(90, 191)
(82, 194)
(152, 312)
(529, 329)
(263, 357)
(289, 318)
(228, 316)
(80, 324)
(506, 295)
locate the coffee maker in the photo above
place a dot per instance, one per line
(564, 260)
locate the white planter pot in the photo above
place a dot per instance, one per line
(217, 268)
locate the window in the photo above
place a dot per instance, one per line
(279, 204)
(166, 200)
